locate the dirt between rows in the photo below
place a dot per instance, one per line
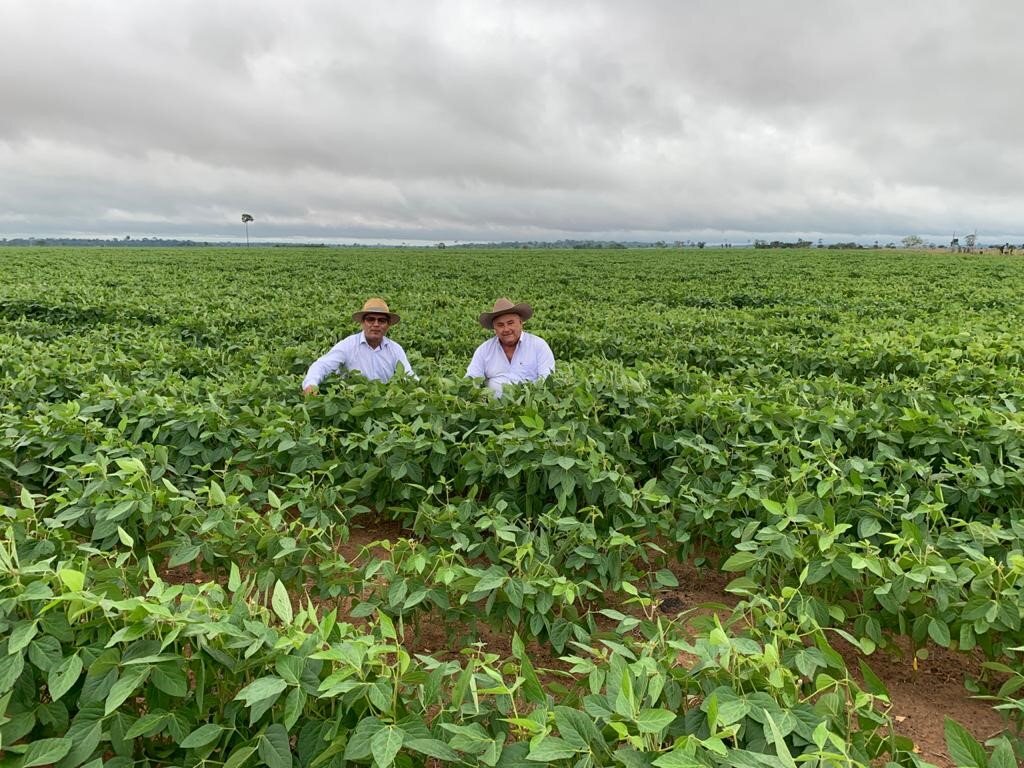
(921, 697)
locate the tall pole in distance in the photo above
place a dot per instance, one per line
(246, 218)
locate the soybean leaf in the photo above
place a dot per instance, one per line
(185, 552)
(45, 752)
(282, 603)
(131, 679)
(239, 756)
(62, 677)
(678, 759)
(22, 635)
(385, 744)
(170, 679)
(963, 749)
(939, 632)
(551, 748)
(202, 736)
(73, 580)
(274, 749)
(432, 748)
(1002, 755)
(654, 720)
(263, 688)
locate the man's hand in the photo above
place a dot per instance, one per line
(310, 390)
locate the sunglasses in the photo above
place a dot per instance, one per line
(376, 319)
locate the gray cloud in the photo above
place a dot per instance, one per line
(510, 120)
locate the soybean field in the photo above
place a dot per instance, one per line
(200, 566)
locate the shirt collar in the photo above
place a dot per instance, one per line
(383, 342)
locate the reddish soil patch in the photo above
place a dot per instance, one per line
(923, 698)
(365, 530)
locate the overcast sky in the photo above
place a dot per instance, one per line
(487, 120)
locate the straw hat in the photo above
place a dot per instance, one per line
(376, 306)
(504, 306)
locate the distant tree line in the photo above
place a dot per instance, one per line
(781, 244)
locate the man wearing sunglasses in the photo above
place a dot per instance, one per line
(370, 352)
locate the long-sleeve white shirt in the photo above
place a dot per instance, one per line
(531, 360)
(353, 353)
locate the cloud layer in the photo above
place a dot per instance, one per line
(511, 120)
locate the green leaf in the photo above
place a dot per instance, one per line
(21, 635)
(185, 552)
(290, 668)
(263, 688)
(781, 749)
(282, 603)
(577, 728)
(239, 756)
(216, 494)
(273, 499)
(387, 627)
(10, 670)
(678, 759)
(434, 748)
(358, 746)
(45, 752)
(868, 527)
(653, 720)
(740, 561)
(26, 499)
(532, 689)
(385, 744)
(938, 631)
(872, 681)
(202, 736)
(85, 738)
(1002, 755)
(73, 580)
(125, 687)
(963, 749)
(235, 579)
(45, 652)
(275, 752)
(170, 679)
(625, 704)
(124, 538)
(149, 724)
(492, 579)
(62, 677)
(293, 705)
(666, 578)
(551, 748)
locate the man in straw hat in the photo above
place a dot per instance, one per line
(512, 355)
(370, 351)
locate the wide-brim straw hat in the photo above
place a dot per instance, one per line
(504, 306)
(376, 306)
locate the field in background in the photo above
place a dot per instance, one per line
(201, 564)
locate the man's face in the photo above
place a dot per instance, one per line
(508, 328)
(375, 327)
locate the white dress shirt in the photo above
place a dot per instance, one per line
(531, 360)
(353, 353)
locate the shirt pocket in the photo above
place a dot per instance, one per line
(526, 370)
